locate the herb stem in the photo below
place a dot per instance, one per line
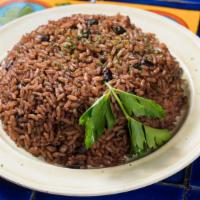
(118, 100)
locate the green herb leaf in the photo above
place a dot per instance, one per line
(145, 138)
(90, 134)
(156, 137)
(138, 140)
(110, 118)
(96, 119)
(140, 106)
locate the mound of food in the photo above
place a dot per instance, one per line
(56, 72)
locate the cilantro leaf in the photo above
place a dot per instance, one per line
(96, 119)
(140, 106)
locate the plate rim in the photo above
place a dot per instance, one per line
(193, 37)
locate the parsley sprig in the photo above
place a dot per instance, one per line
(100, 117)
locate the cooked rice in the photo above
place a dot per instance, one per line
(57, 71)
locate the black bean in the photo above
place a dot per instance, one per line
(107, 75)
(147, 61)
(133, 91)
(56, 49)
(180, 72)
(55, 128)
(91, 22)
(80, 150)
(118, 30)
(19, 86)
(74, 166)
(177, 74)
(42, 38)
(17, 116)
(8, 65)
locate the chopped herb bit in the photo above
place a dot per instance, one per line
(97, 38)
(99, 63)
(126, 42)
(66, 45)
(85, 34)
(69, 39)
(73, 46)
(69, 47)
(57, 64)
(137, 66)
(8, 64)
(115, 42)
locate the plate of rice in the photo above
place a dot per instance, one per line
(97, 99)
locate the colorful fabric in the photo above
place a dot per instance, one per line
(11, 9)
(185, 185)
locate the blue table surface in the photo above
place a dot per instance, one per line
(184, 4)
(185, 185)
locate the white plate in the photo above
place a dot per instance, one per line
(20, 167)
